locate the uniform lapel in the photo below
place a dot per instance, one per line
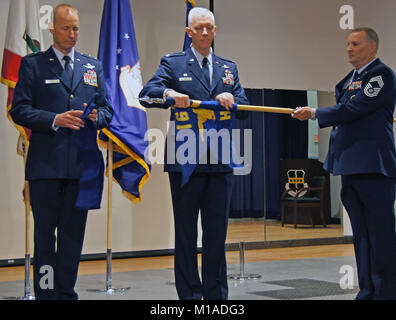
(78, 70)
(56, 68)
(195, 68)
(218, 72)
(340, 90)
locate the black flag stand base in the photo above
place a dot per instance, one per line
(242, 276)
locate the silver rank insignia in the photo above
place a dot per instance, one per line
(374, 87)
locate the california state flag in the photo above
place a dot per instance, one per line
(23, 36)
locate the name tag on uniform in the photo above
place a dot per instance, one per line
(51, 81)
(185, 79)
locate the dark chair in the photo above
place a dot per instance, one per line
(312, 197)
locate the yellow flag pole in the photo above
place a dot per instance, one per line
(265, 109)
(197, 103)
(109, 216)
(109, 288)
(27, 296)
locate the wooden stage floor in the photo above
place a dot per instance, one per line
(238, 231)
(256, 230)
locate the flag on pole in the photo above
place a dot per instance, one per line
(119, 56)
(23, 36)
(212, 129)
(189, 5)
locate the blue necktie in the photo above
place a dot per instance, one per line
(205, 69)
(68, 68)
(347, 84)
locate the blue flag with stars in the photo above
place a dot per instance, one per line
(121, 67)
(187, 40)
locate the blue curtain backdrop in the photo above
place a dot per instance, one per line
(275, 137)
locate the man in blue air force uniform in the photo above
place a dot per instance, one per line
(198, 73)
(49, 99)
(362, 151)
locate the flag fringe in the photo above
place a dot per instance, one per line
(134, 157)
(8, 83)
(21, 131)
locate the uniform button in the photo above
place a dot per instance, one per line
(72, 96)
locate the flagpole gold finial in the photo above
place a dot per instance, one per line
(191, 1)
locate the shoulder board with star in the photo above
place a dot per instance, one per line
(175, 54)
(85, 55)
(225, 62)
(34, 54)
(378, 69)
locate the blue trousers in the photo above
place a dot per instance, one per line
(209, 193)
(369, 200)
(56, 258)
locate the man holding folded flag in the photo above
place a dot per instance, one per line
(203, 183)
(64, 164)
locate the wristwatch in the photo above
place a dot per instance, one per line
(313, 114)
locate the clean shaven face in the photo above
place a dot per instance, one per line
(360, 50)
(65, 31)
(202, 32)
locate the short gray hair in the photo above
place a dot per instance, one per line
(200, 12)
(371, 35)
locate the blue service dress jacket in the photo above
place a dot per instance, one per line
(181, 72)
(42, 92)
(362, 139)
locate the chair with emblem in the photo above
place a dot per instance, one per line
(299, 194)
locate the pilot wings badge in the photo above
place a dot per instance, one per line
(89, 66)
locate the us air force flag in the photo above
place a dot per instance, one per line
(121, 67)
(187, 40)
